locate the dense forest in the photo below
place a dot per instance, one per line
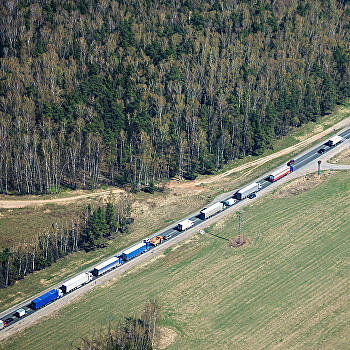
(132, 92)
(90, 230)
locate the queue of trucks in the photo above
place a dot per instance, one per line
(141, 247)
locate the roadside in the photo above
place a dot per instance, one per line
(154, 254)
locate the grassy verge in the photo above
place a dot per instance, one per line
(151, 212)
(287, 288)
(341, 158)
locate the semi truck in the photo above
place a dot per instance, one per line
(2, 324)
(44, 299)
(135, 250)
(335, 140)
(210, 211)
(274, 176)
(76, 282)
(229, 202)
(184, 225)
(156, 240)
(106, 266)
(247, 190)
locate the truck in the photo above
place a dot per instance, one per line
(21, 312)
(76, 282)
(2, 324)
(275, 175)
(335, 140)
(229, 202)
(184, 225)
(44, 299)
(247, 190)
(135, 250)
(106, 266)
(156, 240)
(211, 210)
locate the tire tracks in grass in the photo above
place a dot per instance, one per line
(309, 291)
(279, 283)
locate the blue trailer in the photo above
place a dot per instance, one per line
(135, 250)
(106, 266)
(45, 299)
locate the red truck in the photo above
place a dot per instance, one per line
(280, 173)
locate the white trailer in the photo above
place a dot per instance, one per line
(247, 190)
(210, 211)
(230, 201)
(184, 225)
(335, 140)
(106, 266)
(76, 282)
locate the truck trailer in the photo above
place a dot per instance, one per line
(45, 299)
(274, 176)
(2, 324)
(247, 190)
(76, 282)
(135, 250)
(184, 225)
(335, 140)
(106, 266)
(210, 211)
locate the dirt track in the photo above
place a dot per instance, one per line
(19, 203)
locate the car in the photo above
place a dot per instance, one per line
(8, 320)
(167, 236)
(291, 162)
(252, 195)
(321, 150)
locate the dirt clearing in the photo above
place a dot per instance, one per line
(166, 336)
(301, 184)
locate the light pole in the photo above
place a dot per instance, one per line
(239, 226)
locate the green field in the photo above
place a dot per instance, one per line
(288, 288)
(342, 157)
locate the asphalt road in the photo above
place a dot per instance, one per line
(171, 232)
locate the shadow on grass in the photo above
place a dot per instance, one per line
(212, 234)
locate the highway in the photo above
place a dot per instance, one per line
(310, 156)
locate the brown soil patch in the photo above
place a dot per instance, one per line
(300, 185)
(166, 336)
(235, 243)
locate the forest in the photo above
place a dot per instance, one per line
(115, 92)
(90, 230)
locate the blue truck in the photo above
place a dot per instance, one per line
(135, 250)
(45, 299)
(106, 266)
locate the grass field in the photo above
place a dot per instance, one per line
(288, 288)
(342, 157)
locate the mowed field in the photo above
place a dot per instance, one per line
(288, 288)
(342, 158)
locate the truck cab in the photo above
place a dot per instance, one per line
(21, 312)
